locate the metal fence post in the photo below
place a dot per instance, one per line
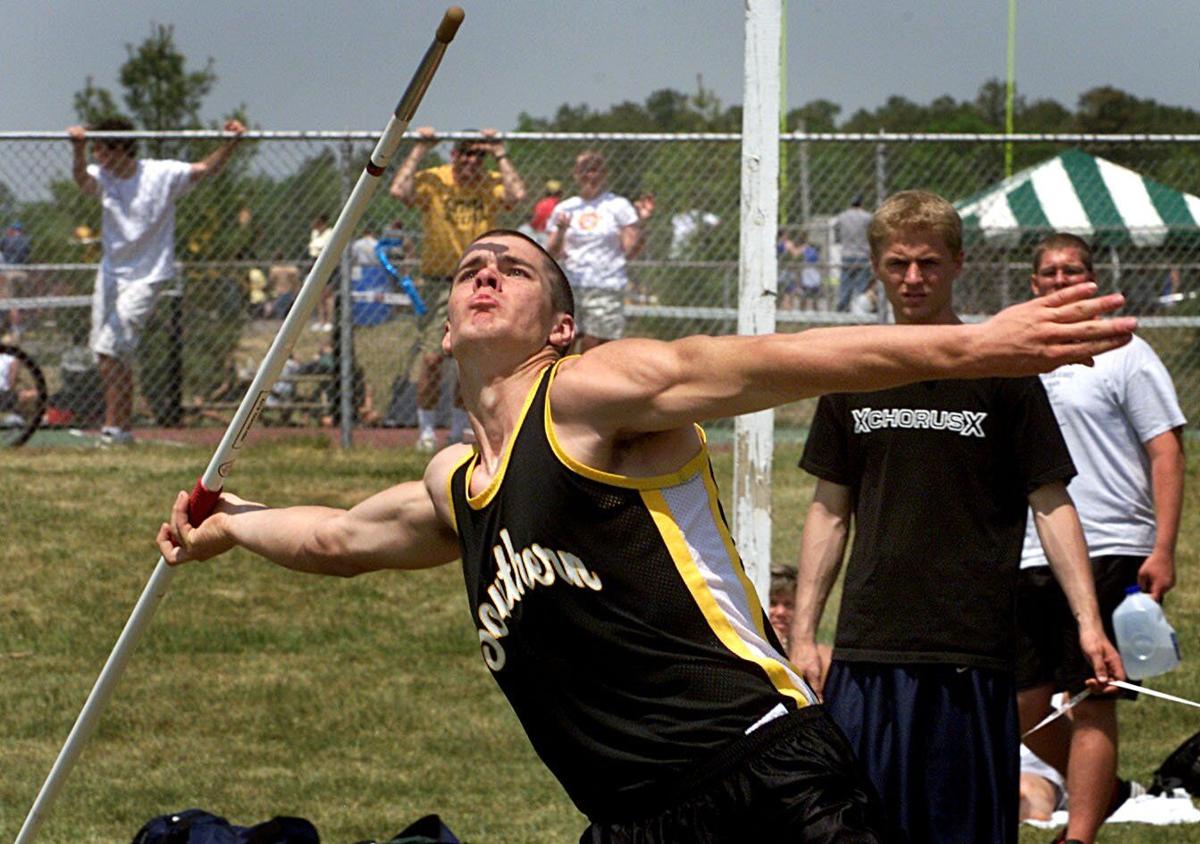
(345, 315)
(884, 309)
(805, 188)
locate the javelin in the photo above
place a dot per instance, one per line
(204, 496)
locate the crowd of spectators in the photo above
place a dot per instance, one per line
(616, 251)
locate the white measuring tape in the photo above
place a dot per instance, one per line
(1120, 684)
(1142, 690)
(1058, 713)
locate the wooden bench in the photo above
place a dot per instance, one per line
(310, 398)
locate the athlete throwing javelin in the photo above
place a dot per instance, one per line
(588, 524)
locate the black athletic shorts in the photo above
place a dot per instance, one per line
(1047, 634)
(796, 781)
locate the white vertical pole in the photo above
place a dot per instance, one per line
(757, 279)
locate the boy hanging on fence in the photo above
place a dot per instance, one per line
(137, 198)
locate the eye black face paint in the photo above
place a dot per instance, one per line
(497, 248)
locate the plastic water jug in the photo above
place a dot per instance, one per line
(1146, 641)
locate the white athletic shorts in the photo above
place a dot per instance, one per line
(600, 312)
(120, 310)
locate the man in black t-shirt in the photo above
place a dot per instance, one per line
(936, 477)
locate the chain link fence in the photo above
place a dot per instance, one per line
(243, 247)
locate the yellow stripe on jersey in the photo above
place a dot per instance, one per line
(470, 455)
(478, 502)
(688, 564)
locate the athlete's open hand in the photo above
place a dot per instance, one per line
(1050, 331)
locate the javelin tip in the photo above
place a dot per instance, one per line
(449, 25)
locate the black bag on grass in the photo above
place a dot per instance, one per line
(1179, 770)
(196, 826)
(426, 830)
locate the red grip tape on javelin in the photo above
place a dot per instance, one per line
(201, 503)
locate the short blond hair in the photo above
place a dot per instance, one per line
(915, 210)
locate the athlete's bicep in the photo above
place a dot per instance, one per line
(645, 386)
(399, 528)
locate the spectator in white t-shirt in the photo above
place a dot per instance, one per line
(1123, 425)
(362, 250)
(318, 239)
(593, 234)
(137, 233)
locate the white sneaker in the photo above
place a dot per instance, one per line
(12, 420)
(427, 441)
(115, 436)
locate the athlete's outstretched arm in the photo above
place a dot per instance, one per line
(643, 385)
(398, 528)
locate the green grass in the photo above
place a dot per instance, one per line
(360, 704)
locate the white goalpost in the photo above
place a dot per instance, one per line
(757, 279)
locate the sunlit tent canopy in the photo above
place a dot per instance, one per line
(1105, 203)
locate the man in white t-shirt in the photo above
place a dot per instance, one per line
(593, 234)
(138, 236)
(1123, 425)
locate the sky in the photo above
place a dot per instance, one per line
(315, 64)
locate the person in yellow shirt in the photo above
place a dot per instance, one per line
(459, 202)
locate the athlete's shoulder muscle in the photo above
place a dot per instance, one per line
(437, 478)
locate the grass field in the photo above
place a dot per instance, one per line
(360, 704)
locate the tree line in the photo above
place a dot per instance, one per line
(160, 91)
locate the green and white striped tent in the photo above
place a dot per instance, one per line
(1098, 200)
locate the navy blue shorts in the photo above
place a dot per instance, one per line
(938, 742)
(795, 781)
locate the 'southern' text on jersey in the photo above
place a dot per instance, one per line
(517, 572)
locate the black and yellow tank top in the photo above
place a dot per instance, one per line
(616, 616)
